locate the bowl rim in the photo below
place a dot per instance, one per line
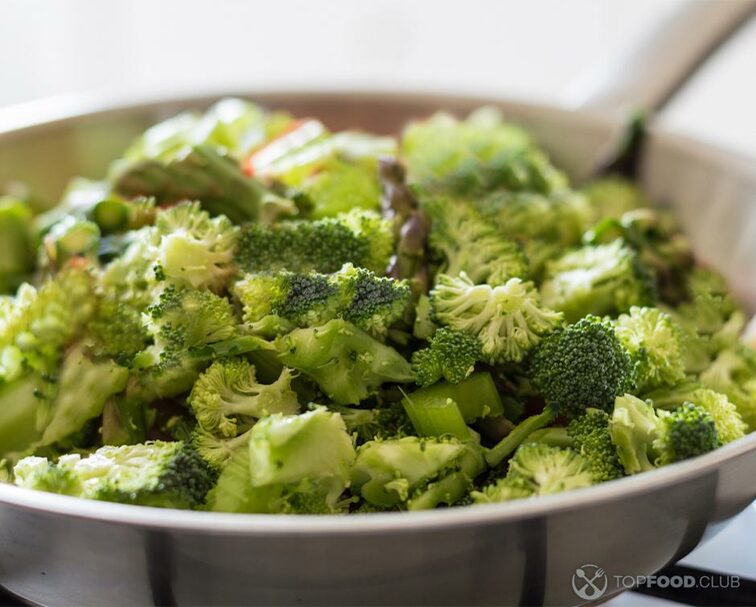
(47, 113)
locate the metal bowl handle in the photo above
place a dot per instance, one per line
(647, 76)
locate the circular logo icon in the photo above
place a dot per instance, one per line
(589, 582)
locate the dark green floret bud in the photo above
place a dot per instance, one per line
(583, 365)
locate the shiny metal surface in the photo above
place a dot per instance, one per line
(56, 550)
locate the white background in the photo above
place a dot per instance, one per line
(526, 49)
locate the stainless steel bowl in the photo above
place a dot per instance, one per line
(56, 550)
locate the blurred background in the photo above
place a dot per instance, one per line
(532, 49)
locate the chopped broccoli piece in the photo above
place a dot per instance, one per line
(733, 373)
(710, 304)
(274, 303)
(346, 362)
(374, 303)
(592, 438)
(195, 250)
(583, 365)
(612, 196)
(655, 344)
(297, 463)
(686, 432)
(451, 355)
(117, 330)
(160, 474)
(469, 243)
(602, 279)
(83, 387)
(478, 154)
(385, 422)
(192, 157)
(476, 397)
(415, 473)
(187, 326)
(646, 438)
(508, 319)
(229, 390)
(360, 237)
(538, 469)
(216, 450)
(544, 225)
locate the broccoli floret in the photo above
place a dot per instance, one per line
(686, 432)
(655, 344)
(374, 303)
(219, 451)
(229, 390)
(660, 246)
(415, 473)
(602, 279)
(184, 319)
(710, 303)
(38, 323)
(37, 329)
(187, 327)
(451, 355)
(130, 278)
(730, 425)
(646, 438)
(538, 469)
(195, 250)
(343, 360)
(385, 422)
(277, 302)
(729, 422)
(508, 319)
(592, 438)
(612, 196)
(544, 226)
(297, 463)
(733, 373)
(274, 303)
(16, 246)
(160, 474)
(469, 243)
(339, 186)
(360, 237)
(478, 154)
(117, 331)
(583, 365)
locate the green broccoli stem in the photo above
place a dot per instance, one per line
(476, 396)
(16, 249)
(111, 215)
(436, 417)
(495, 455)
(554, 437)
